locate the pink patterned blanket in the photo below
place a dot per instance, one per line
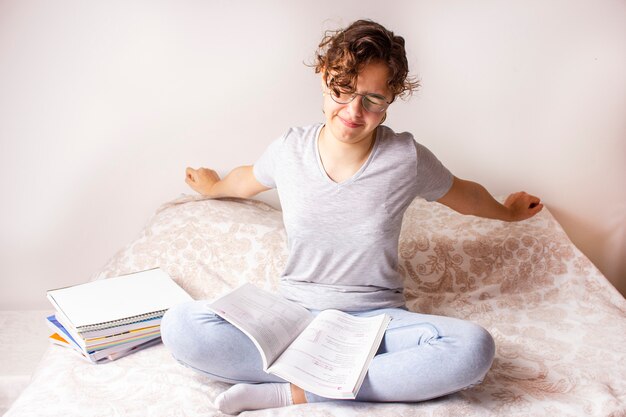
(559, 326)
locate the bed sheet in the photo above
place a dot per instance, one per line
(559, 325)
(23, 335)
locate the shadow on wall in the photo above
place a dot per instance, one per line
(604, 246)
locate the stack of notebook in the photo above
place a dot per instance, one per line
(107, 319)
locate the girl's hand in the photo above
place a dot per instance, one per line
(201, 180)
(522, 205)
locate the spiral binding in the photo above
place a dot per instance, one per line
(120, 322)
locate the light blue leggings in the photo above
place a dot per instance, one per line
(421, 356)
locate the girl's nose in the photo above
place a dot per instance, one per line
(356, 106)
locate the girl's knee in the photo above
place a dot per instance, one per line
(481, 351)
(173, 324)
(182, 325)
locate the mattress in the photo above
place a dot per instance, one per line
(23, 340)
(558, 324)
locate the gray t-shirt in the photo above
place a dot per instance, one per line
(343, 237)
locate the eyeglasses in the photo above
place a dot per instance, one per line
(374, 103)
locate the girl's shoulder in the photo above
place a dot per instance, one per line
(388, 134)
(300, 135)
(399, 141)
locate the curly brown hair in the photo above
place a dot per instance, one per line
(343, 53)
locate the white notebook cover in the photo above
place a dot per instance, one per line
(114, 300)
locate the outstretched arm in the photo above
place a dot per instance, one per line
(240, 182)
(468, 197)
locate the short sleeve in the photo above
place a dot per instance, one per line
(433, 178)
(265, 167)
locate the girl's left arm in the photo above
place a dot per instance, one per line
(468, 197)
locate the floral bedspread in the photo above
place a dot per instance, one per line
(559, 326)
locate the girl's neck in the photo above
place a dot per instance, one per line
(347, 153)
(342, 160)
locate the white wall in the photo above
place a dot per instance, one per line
(104, 103)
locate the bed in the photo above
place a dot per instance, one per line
(559, 326)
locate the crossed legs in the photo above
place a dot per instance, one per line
(421, 356)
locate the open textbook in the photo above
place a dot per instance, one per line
(327, 354)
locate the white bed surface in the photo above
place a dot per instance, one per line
(23, 341)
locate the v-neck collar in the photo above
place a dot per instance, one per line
(357, 174)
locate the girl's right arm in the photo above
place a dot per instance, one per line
(240, 182)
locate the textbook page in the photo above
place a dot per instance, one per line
(270, 321)
(331, 357)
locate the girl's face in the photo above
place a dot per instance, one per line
(351, 123)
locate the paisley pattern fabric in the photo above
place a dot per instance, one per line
(559, 326)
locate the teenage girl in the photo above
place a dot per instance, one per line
(344, 186)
